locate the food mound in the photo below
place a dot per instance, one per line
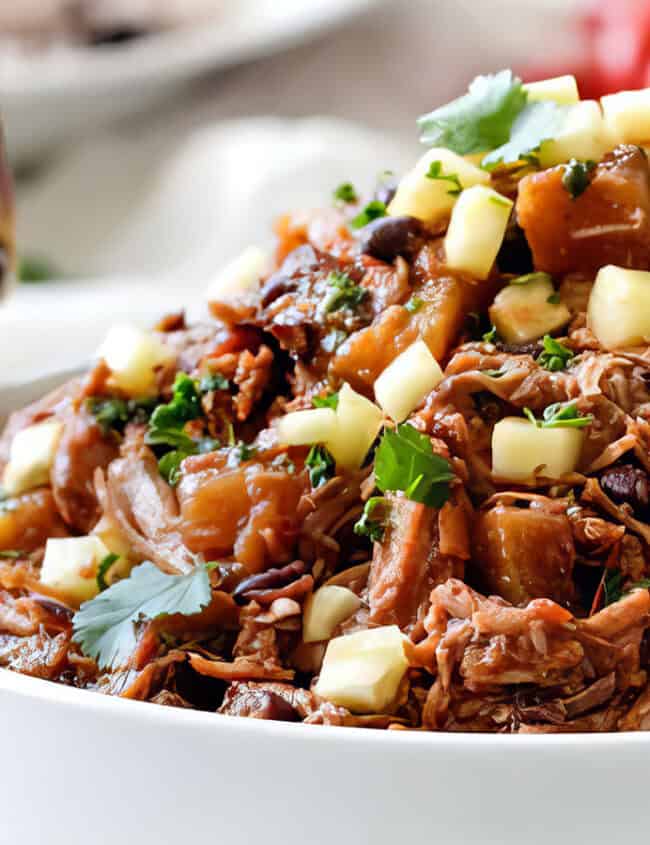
(399, 477)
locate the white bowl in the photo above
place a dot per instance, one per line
(80, 768)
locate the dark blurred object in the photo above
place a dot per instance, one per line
(613, 49)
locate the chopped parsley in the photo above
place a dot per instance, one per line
(373, 211)
(345, 293)
(321, 465)
(613, 586)
(558, 415)
(114, 414)
(104, 627)
(329, 401)
(212, 382)
(577, 176)
(102, 571)
(346, 193)
(435, 172)
(366, 526)
(537, 276)
(405, 461)
(555, 356)
(414, 304)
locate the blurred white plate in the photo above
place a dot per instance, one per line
(50, 97)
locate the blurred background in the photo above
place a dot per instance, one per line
(152, 140)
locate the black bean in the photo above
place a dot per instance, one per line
(270, 705)
(388, 237)
(627, 484)
(269, 580)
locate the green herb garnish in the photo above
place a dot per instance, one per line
(373, 211)
(104, 627)
(555, 356)
(435, 172)
(212, 382)
(345, 293)
(537, 122)
(558, 415)
(11, 554)
(491, 336)
(114, 414)
(577, 176)
(365, 526)
(405, 461)
(240, 453)
(321, 465)
(531, 277)
(102, 571)
(32, 269)
(553, 299)
(346, 193)
(612, 586)
(414, 304)
(329, 401)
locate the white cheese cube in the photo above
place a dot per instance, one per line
(521, 450)
(627, 116)
(559, 89)
(363, 671)
(583, 136)
(430, 199)
(407, 380)
(475, 234)
(325, 609)
(30, 457)
(619, 307)
(241, 274)
(302, 428)
(70, 567)
(521, 313)
(358, 421)
(133, 357)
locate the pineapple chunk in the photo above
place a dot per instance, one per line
(325, 609)
(133, 356)
(430, 199)
(31, 456)
(70, 567)
(363, 671)
(478, 224)
(619, 307)
(302, 428)
(239, 275)
(358, 421)
(627, 116)
(522, 313)
(559, 89)
(583, 136)
(521, 450)
(404, 383)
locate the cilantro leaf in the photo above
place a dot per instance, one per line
(241, 452)
(491, 336)
(104, 626)
(114, 414)
(435, 172)
(558, 415)
(479, 120)
(613, 586)
(365, 526)
(169, 419)
(102, 570)
(414, 304)
(345, 293)
(346, 193)
(555, 356)
(577, 176)
(373, 211)
(329, 401)
(537, 122)
(405, 461)
(321, 465)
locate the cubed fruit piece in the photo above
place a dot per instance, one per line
(325, 609)
(524, 553)
(478, 224)
(583, 136)
(240, 275)
(430, 199)
(404, 383)
(363, 671)
(523, 312)
(133, 357)
(70, 567)
(558, 89)
(627, 116)
(358, 421)
(521, 450)
(608, 223)
(302, 428)
(31, 456)
(619, 307)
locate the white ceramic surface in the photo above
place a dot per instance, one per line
(50, 97)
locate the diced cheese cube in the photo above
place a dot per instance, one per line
(521, 313)
(431, 199)
(407, 380)
(627, 116)
(476, 230)
(134, 356)
(619, 307)
(302, 428)
(30, 457)
(358, 421)
(521, 450)
(559, 89)
(363, 671)
(70, 567)
(325, 609)
(240, 275)
(583, 136)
